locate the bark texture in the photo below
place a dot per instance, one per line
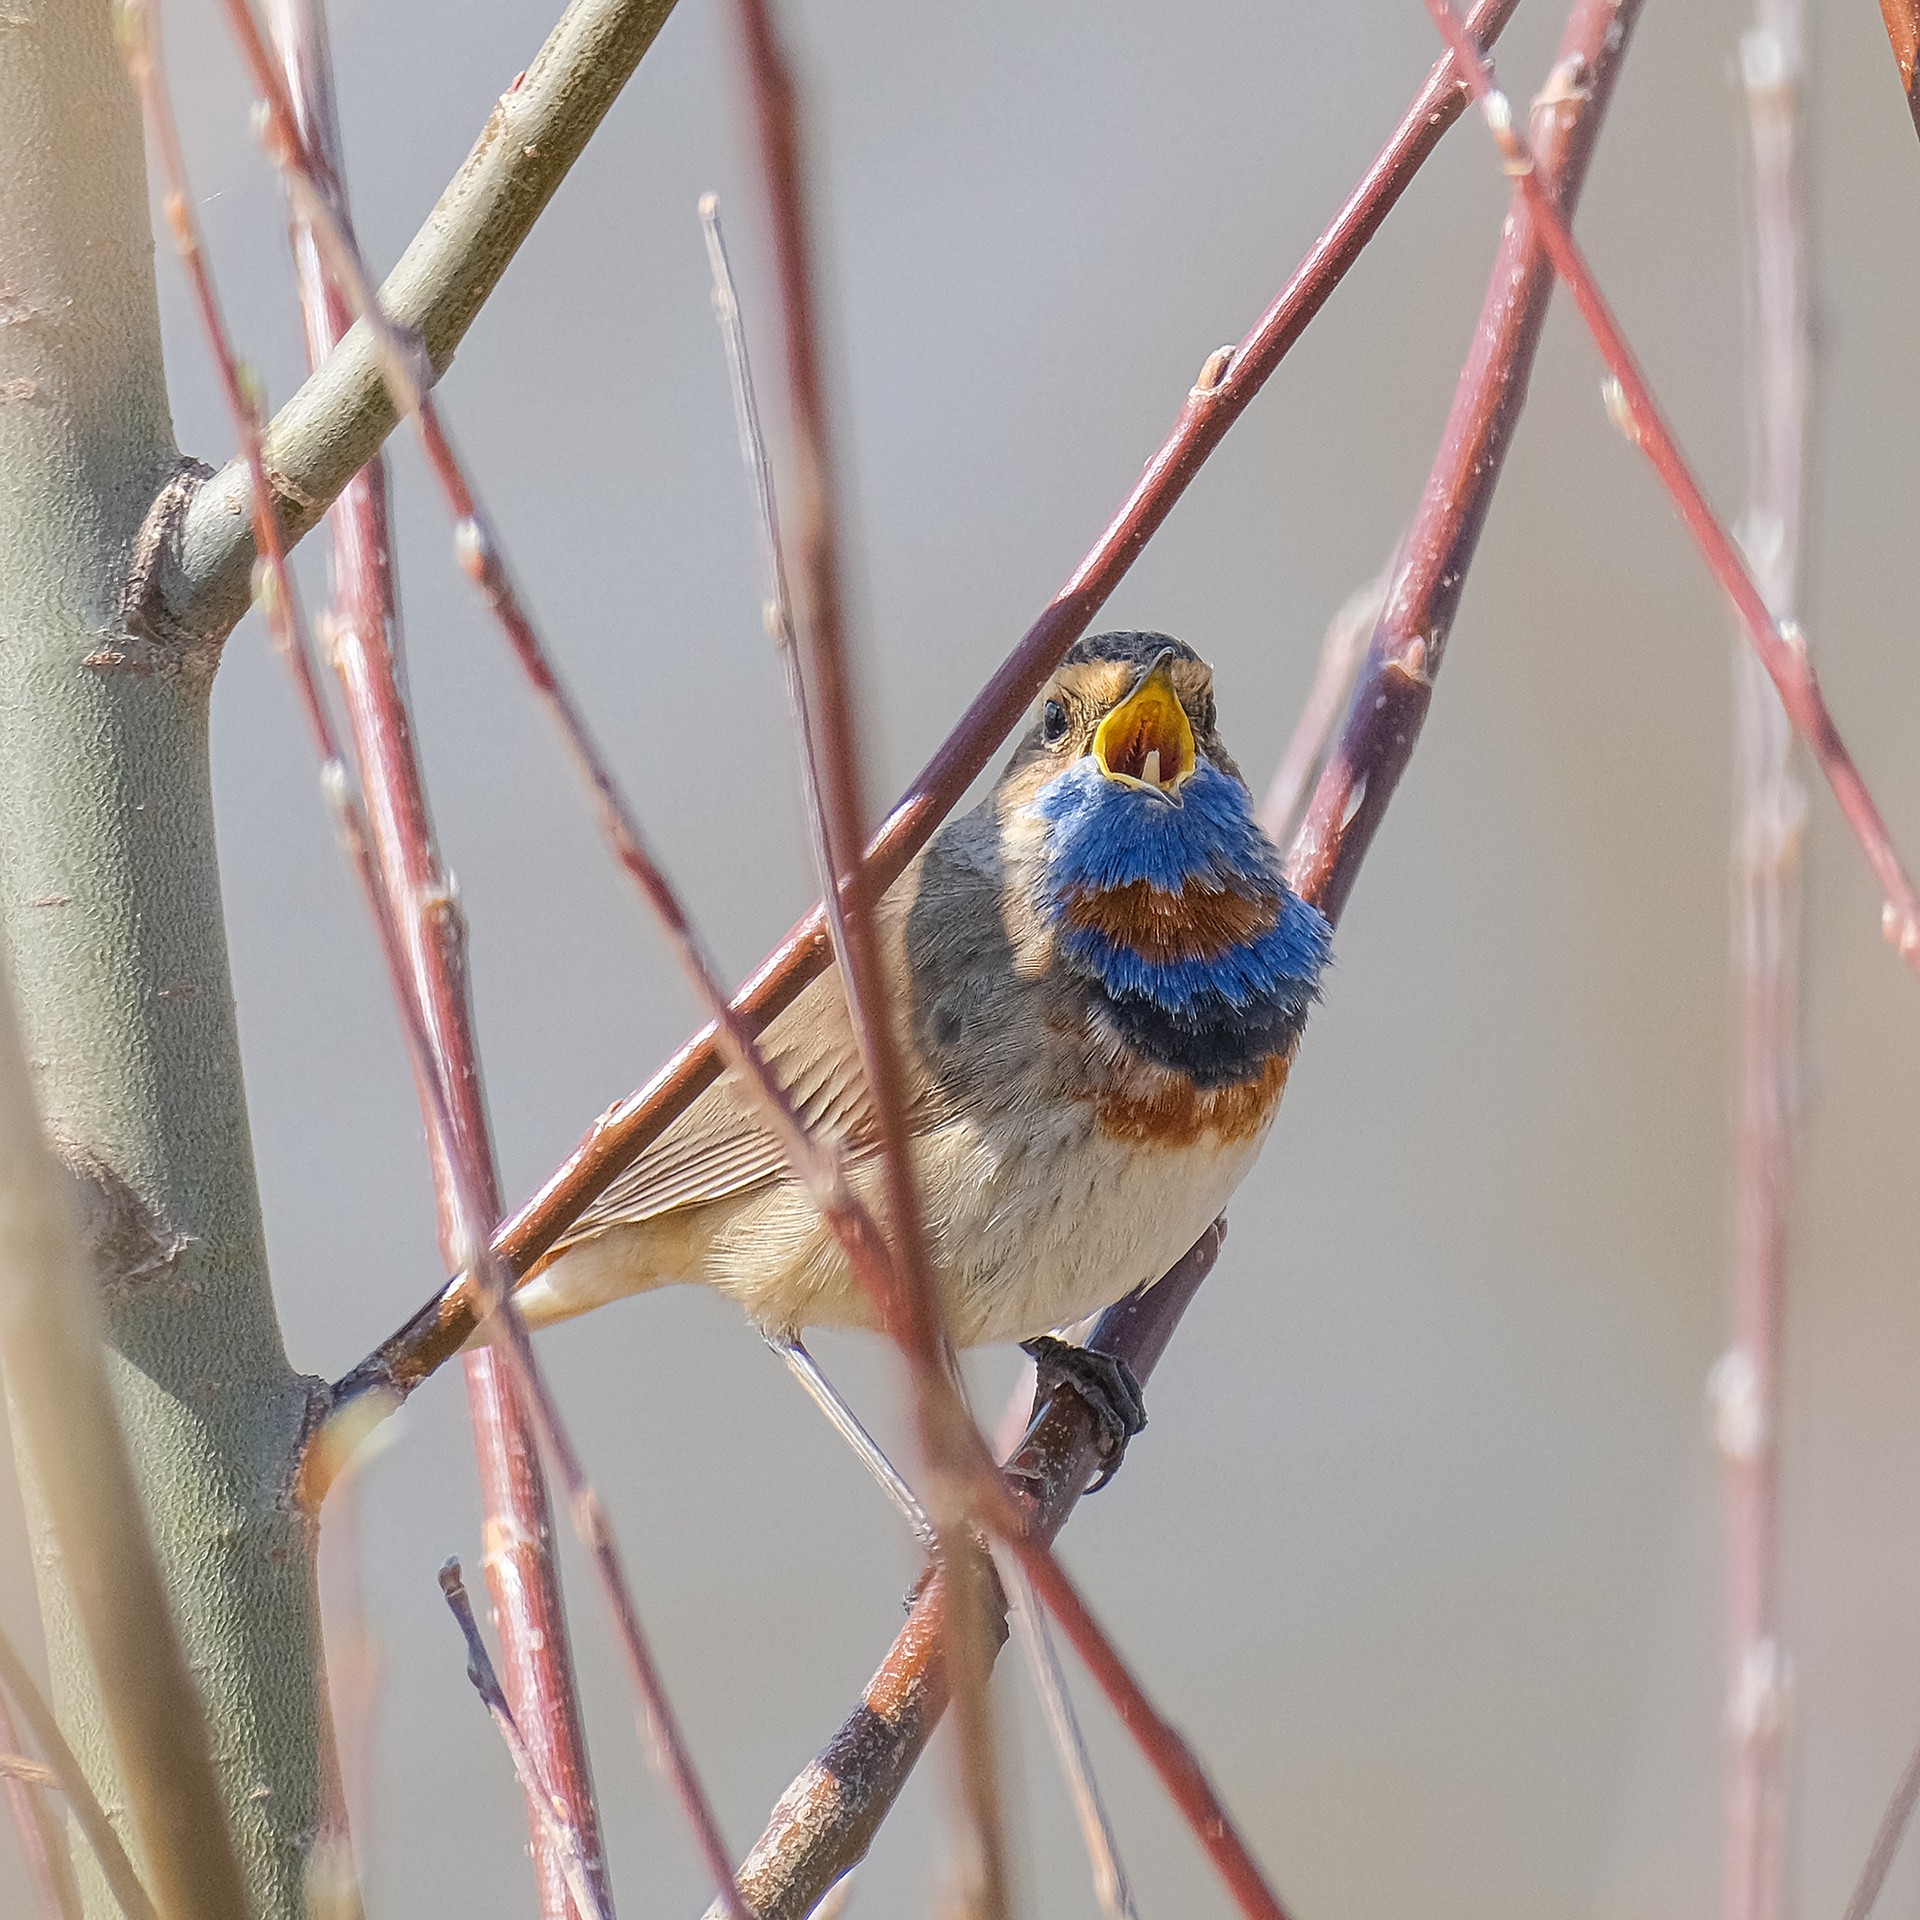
(110, 907)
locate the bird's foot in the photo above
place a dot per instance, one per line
(1107, 1386)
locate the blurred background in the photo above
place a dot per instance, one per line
(1422, 1548)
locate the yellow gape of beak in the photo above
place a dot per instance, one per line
(1147, 740)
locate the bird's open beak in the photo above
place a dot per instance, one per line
(1147, 740)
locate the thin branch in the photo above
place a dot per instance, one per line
(1172, 1759)
(1886, 1840)
(1342, 649)
(1903, 31)
(1783, 652)
(283, 609)
(571, 1847)
(522, 1571)
(906, 1309)
(627, 1129)
(899, 1281)
(42, 1845)
(115, 1868)
(1030, 1628)
(337, 421)
(777, 612)
(1770, 809)
(478, 550)
(826, 1820)
(832, 763)
(1395, 687)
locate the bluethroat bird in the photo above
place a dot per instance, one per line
(1100, 981)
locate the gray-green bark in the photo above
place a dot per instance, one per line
(335, 424)
(110, 906)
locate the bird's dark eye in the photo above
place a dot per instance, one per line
(1053, 723)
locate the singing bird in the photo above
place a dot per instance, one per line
(1100, 979)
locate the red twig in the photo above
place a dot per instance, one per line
(1180, 1773)
(832, 766)
(1784, 657)
(589, 1515)
(1770, 817)
(1903, 30)
(523, 1574)
(626, 1130)
(827, 1818)
(479, 552)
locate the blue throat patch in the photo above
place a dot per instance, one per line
(1218, 1016)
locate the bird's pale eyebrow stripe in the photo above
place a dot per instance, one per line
(1194, 924)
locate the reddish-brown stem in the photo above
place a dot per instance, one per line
(350, 819)
(478, 550)
(1172, 1759)
(522, 1570)
(1396, 681)
(1903, 30)
(1784, 656)
(625, 1131)
(832, 766)
(828, 1817)
(953, 1438)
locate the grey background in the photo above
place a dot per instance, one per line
(1422, 1548)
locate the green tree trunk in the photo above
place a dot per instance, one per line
(110, 906)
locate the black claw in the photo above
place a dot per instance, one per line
(1106, 1385)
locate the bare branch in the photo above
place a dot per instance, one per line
(283, 609)
(570, 1845)
(1903, 30)
(778, 611)
(824, 1823)
(1030, 1628)
(1782, 651)
(337, 421)
(832, 766)
(826, 1820)
(627, 1129)
(522, 1570)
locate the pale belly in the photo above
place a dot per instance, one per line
(1114, 1216)
(1025, 1236)
(1023, 1241)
